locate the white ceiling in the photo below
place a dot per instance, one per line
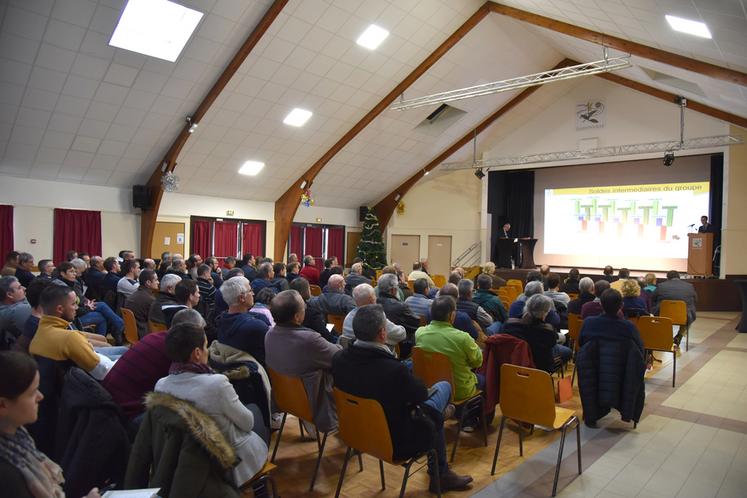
(74, 109)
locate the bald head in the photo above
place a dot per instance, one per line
(336, 283)
(364, 294)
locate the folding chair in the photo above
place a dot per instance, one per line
(157, 327)
(656, 334)
(263, 477)
(130, 323)
(439, 280)
(514, 282)
(364, 429)
(574, 331)
(337, 321)
(677, 311)
(527, 396)
(315, 290)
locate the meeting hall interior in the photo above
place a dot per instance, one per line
(369, 248)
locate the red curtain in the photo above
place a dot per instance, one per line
(6, 230)
(336, 243)
(76, 230)
(226, 239)
(253, 235)
(314, 244)
(200, 243)
(296, 240)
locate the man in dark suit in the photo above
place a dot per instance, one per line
(705, 227)
(505, 231)
(368, 369)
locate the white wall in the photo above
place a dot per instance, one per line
(441, 204)
(34, 202)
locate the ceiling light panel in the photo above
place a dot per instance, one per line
(688, 26)
(372, 37)
(251, 168)
(297, 117)
(157, 28)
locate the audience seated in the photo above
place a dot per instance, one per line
(397, 311)
(265, 278)
(193, 263)
(334, 301)
(220, 303)
(516, 310)
(215, 272)
(94, 278)
(419, 303)
(489, 269)
(262, 301)
(33, 297)
(179, 268)
(25, 265)
(571, 284)
(649, 283)
(25, 472)
(365, 295)
(541, 336)
(164, 265)
(236, 326)
(678, 290)
(129, 283)
(585, 295)
(594, 308)
(279, 282)
(186, 295)
(487, 300)
(46, 269)
(607, 274)
(418, 272)
(327, 271)
(368, 369)
(355, 278)
(553, 291)
(291, 349)
(140, 301)
(229, 263)
(314, 318)
(309, 270)
(462, 321)
(622, 275)
(14, 309)
(467, 305)
(633, 303)
(111, 279)
(166, 297)
(248, 265)
(190, 379)
(291, 270)
(207, 289)
(11, 264)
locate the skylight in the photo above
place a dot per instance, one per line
(157, 28)
(696, 28)
(372, 37)
(297, 117)
(251, 168)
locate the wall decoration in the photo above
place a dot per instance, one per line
(590, 114)
(401, 208)
(306, 199)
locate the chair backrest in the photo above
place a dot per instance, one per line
(514, 282)
(130, 323)
(363, 426)
(315, 290)
(656, 332)
(290, 395)
(573, 295)
(432, 367)
(439, 280)
(527, 395)
(481, 335)
(411, 285)
(676, 310)
(157, 327)
(337, 321)
(574, 328)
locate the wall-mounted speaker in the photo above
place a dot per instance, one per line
(141, 197)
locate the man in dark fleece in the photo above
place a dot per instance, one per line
(237, 326)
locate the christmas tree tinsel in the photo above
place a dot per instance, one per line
(371, 247)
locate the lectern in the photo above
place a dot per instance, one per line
(504, 249)
(700, 254)
(527, 252)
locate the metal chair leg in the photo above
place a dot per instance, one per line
(360, 462)
(318, 459)
(560, 458)
(578, 444)
(277, 440)
(498, 444)
(300, 427)
(404, 479)
(674, 367)
(381, 471)
(521, 439)
(573, 375)
(342, 472)
(459, 431)
(484, 418)
(687, 337)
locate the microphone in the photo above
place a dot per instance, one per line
(691, 225)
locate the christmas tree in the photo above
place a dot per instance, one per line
(371, 247)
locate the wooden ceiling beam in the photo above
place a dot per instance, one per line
(168, 163)
(384, 209)
(287, 205)
(631, 47)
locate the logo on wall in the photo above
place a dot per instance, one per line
(590, 115)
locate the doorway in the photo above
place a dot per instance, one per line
(167, 237)
(352, 248)
(439, 254)
(405, 251)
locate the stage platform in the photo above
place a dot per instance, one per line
(713, 294)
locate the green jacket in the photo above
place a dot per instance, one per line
(181, 450)
(462, 350)
(490, 303)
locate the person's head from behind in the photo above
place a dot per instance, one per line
(484, 281)
(623, 273)
(187, 293)
(205, 272)
(60, 301)
(420, 286)
(538, 306)
(237, 293)
(630, 288)
(229, 262)
(301, 285)
(169, 282)
(178, 264)
(265, 271)
(417, 266)
(336, 283)
(586, 285)
(574, 274)
(545, 270)
(443, 309)
(328, 263)
(449, 290)
(187, 343)
(288, 308)
(454, 277)
(364, 294)
(533, 288)
(11, 289)
(388, 285)
(19, 390)
(235, 272)
(34, 291)
(534, 276)
(71, 255)
(308, 260)
(11, 259)
(465, 288)
(673, 274)
(611, 301)
(279, 270)
(553, 281)
(188, 315)
(650, 279)
(608, 270)
(292, 268)
(489, 268)
(357, 268)
(600, 286)
(247, 259)
(148, 280)
(265, 296)
(369, 323)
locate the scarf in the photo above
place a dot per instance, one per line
(178, 367)
(43, 477)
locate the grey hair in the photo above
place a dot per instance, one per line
(188, 316)
(169, 280)
(387, 282)
(25, 257)
(465, 287)
(538, 306)
(233, 288)
(5, 283)
(533, 288)
(357, 268)
(79, 265)
(586, 285)
(363, 293)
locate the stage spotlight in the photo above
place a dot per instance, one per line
(668, 158)
(479, 173)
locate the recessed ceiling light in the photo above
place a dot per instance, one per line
(157, 28)
(251, 168)
(696, 28)
(297, 117)
(372, 37)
